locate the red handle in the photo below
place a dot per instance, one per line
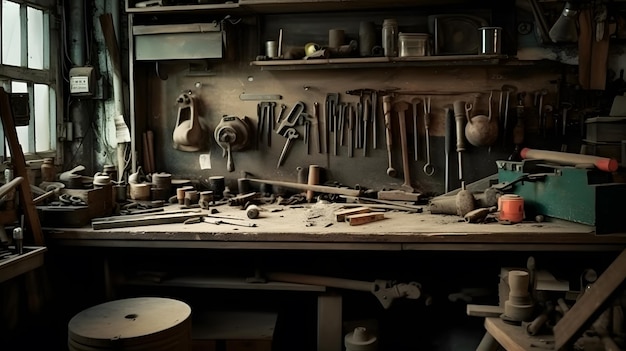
(602, 163)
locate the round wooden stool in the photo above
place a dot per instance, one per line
(135, 324)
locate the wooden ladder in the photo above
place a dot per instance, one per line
(19, 166)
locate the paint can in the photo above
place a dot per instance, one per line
(511, 208)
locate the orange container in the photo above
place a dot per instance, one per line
(511, 208)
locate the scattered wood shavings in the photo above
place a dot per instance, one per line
(320, 214)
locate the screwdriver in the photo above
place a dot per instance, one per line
(459, 118)
(448, 139)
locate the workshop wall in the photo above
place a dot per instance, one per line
(218, 95)
(218, 84)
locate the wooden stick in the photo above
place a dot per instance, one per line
(317, 188)
(19, 164)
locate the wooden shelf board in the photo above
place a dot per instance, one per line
(15, 265)
(513, 337)
(183, 8)
(356, 62)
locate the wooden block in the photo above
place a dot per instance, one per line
(581, 314)
(98, 200)
(365, 218)
(484, 310)
(341, 215)
(398, 195)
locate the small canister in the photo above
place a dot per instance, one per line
(490, 40)
(511, 208)
(271, 49)
(413, 44)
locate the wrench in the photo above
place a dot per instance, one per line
(350, 131)
(316, 121)
(367, 104)
(428, 168)
(283, 107)
(291, 134)
(415, 102)
(374, 113)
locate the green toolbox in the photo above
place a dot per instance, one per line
(581, 195)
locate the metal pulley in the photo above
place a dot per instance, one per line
(232, 134)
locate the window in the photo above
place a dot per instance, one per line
(29, 65)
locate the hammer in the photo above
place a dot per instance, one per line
(401, 108)
(53, 192)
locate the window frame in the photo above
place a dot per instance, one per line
(50, 75)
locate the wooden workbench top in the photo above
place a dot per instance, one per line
(316, 224)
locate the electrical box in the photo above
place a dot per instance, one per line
(83, 81)
(20, 106)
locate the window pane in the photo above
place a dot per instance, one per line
(41, 105)
(11, 33)
(22, 132)
(35, 38)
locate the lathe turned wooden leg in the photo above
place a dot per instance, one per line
(488, 343)
(329, 322)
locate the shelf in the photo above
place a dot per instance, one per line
(225, 283)
(371, 62)
(293, 6)
(182, 8)
(12, 265)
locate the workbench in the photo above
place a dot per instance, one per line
(314, 228)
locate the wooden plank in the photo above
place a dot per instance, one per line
(136, 222)
(580, 315)
(484, 310)
(341, 215)
(19, 165)
(15, 265)
(365, 218)
(513, 337)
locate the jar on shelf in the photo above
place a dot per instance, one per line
(390, 37)
(48, 170)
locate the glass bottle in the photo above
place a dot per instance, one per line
(390, 37)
